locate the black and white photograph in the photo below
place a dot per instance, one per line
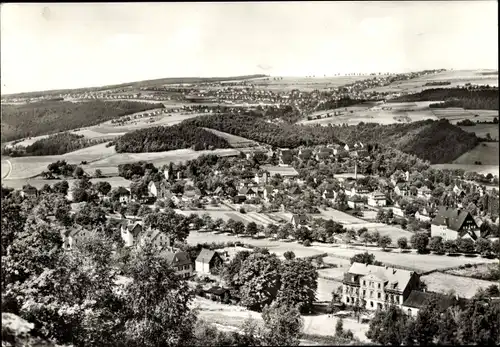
(295, 173)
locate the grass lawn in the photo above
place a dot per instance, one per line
(419, 262)
(463, 286)
(486, 153)
(482, 129)
(482, 169)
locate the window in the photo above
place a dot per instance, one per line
(371, 303)
(379, 286)
(371, 293)
(379, 295)
(409, 312)
(347, 299)
(364, 292)
(364, 283)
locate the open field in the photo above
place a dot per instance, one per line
(235, 316)
(26, 167)
(277, 247)
(281, 170)
(355, 223)
(419, 262)
(482, 169)
(482, 129)
(259, 218)
(305, 83)
(456, 114)
(375, 113)
(479, 270)
(455, 77)
(39, 183)
(463, 286)
(158, 158)
(486, 153)
(234, 141)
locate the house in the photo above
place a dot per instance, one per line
(423, 215)
(355, 201)
(418, 299)
(268, 192)
(323, 155)
(285, 157)
(358, 190)
(305, 154)
(298, 220)
(329, 194)
(123, 195)
(377, 199)
(396, 209)
(75, 236)
(154, 189)
(402, 189)
(218, 294)
(239, 199)
(248, 192)
(294, 192)
(29, 191)
(207, 260)
(378, 286)
(458, 191)
(262, 178)
(424, 192)
(181, 262)
(451, 224)
(157, 238)
(130, 231)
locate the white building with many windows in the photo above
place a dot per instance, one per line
(377, 286)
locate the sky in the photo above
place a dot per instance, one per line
(55, 46)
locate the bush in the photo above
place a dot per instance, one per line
(307, 243)
(242, 210)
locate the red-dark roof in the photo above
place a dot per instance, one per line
(418, 299)
(455, 217)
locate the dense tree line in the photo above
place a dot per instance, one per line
(333, 103)
(482, 98)
(78, 297)
(160, 139)
(475, 323)
(53, 145)
(262, 279)
(435, 141)
(40, 118)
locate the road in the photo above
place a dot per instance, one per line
(8, 171)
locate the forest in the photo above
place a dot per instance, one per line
(482, 98)
(53, 145)
(159, 139)
(435, 141)
(41, 118)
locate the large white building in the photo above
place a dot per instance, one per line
(378, 286)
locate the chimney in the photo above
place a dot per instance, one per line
(446, 221)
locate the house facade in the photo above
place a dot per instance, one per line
(207, 260)
(451, 224)
(377, 286)
(130, 232)
(377, 199)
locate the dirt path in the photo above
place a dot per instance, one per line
(6, 174)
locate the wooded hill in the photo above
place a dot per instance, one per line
(159, 139)
(478, 98)
(42, 118)
(53, 145)
(435, 141)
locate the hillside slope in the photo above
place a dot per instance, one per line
(41, 118)
(435, 141)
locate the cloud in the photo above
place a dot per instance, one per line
(264, 67)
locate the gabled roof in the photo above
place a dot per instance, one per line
(218, 190)
(418, 299)
(294, 191)
(135, 227)
(123, 191)
(243, 191)
(389, 275)
(454, 217)
(177, 258)
(378, 195)
(206, 255)
(299, 218)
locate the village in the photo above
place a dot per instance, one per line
(293, 196)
